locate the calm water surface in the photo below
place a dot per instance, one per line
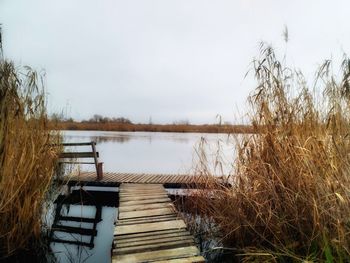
(153, 152)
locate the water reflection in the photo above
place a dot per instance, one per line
(122, 137)
(84, 224)
(117, 139)
(102, 243)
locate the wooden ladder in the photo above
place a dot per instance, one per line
(78, 155)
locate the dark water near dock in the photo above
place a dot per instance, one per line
(102, 242)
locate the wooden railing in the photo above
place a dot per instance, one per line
(79, 155)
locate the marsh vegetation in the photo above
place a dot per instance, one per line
(140, 127)
(289, 199)
(27, 164)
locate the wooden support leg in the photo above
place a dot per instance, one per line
(99, 171)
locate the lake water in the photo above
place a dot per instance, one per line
(135, 152)
(154, 152)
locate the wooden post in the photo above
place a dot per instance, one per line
(99, 171)
(93, 146)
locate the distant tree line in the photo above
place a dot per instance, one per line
(181, 122)
(102, 119)
(96, 118)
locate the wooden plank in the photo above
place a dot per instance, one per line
(77, 162)
(124, 178)
(164, 254)
(77, 155)
(152, 178)
(136, 198)
(143, 195)
(147, 234)
(157, 246)
(139, 202)
(196, 259)
(145, 213)
(147, 220)
(144, 186)
(155, 240)
(76, 144)
(153, 236)
(144, 207)
(147, 227)
(147, 179)
(134, 189)
(137, 188)
(142, 191)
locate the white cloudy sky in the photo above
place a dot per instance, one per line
(166, 59)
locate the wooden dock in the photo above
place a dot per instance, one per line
(115, 179)
(101, 178)
(148, 228)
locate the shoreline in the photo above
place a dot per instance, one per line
(181, 128)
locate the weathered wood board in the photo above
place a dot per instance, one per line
(148, 228)
(141, 178)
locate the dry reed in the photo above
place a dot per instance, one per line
(289, 198)
(27, 161)
(110, 126)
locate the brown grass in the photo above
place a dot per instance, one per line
(290, 194)
(153, 127)
(26, 161)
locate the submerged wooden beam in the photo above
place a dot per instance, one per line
(79, 219)
(60, 222)
(72, 242)
(97, 215)
(92, 198)
(148, 228)
(75, 230)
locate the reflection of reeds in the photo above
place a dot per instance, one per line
(26, 160)
(290, 195)
(103, 139)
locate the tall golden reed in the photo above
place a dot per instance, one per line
(27, 161)
(289, 198)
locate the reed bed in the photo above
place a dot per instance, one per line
(289, 198)
(131, 127)
(27, 162)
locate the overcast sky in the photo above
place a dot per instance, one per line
(167, 59)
